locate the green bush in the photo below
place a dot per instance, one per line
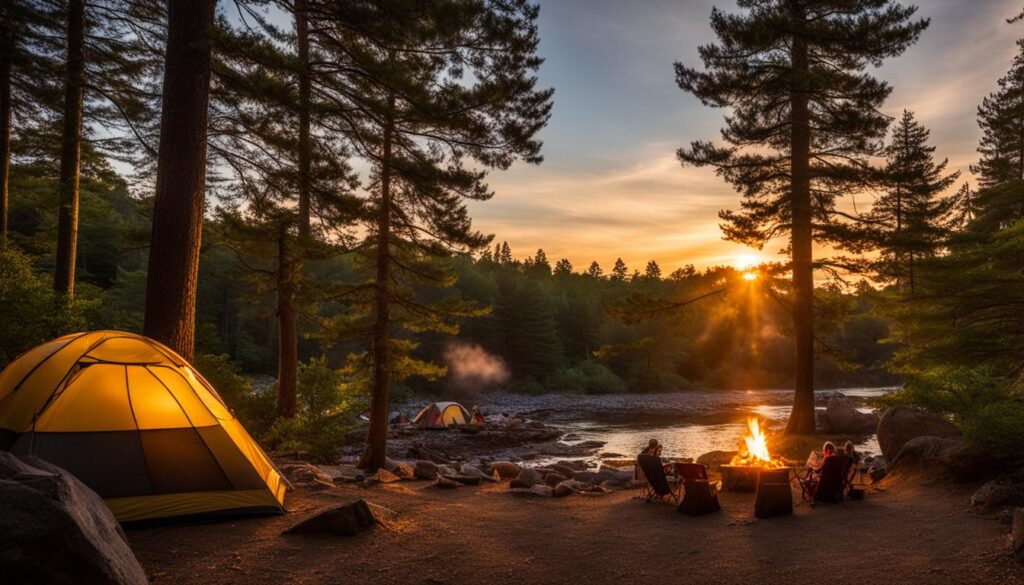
(255, 410)
(998, 428)
(329, 403)
(29, 310)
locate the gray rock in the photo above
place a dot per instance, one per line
(612, 477)
(54, 529)
(584, 476)
(552, 479)
(901, 424)
(563, 470)
(404, 471)
(842, 416)
(563, 489)
(543, 490)
(998, 493)
(305, 475)
(425, 470)
(713, 458)
(527, 478)
(385, 476)
(506, 469)
(347, 520)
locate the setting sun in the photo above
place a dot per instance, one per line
(745, 261)
(749, 276)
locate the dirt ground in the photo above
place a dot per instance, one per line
(906, 533)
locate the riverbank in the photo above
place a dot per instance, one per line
(905, 531)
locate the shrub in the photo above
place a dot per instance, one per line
(255, 410)
(998, 428)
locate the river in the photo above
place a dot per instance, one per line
(688, 424)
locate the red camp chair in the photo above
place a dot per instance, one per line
(700, 495)
(829, 483)
(656, 484)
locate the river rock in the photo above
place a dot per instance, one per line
(543, 491)
(584, 476)
(842, 416)
(527, 478)
(901, 424)
(347, 520)
(385, 476)
(54, 529)
(998, 493)
(448, 469)
(713, 458)
(506, 469)
(306, 475)
(563, 470)
(565, 488)
(554, 478)
(611, 477)
(425, 470)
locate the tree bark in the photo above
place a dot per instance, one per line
(377, 434)
(6, 51)
(181, 178)
(302, 37)
(70, 152)
(801, 419)
(287, 354)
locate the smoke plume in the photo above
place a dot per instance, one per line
(472, 370)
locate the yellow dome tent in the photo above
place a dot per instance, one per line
(137, 424)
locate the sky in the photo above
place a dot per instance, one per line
(610, 185)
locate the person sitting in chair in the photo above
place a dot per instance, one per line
(814, 464)
(478, 418)
(854, 461)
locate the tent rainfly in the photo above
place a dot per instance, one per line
(440, 415)
(138, 425)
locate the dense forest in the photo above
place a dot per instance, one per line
(280, 188)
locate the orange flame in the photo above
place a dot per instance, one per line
(756, 452)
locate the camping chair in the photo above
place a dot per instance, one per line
(829, 483)
(700, 495)
(658, 486)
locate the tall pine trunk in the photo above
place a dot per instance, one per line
(70, 151)
(801, 419)
(377, 434)
(290, 264)
(6, 51)
(180, 178)
(287, 354)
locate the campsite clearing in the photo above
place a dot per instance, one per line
(908, 533)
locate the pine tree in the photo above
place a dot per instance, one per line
(540, 263)
(962, 209)
(111, 56)
(1001, 117)
(681, 274)
(504, 255)
(619, 271)
(180, 178)
(653, 271)
(803, 118)
(419, 130)
(908, 221)
(595, 270)
(563, 267)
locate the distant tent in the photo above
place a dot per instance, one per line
(440, 415)
(137, 424)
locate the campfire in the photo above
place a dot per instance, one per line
(754, 451)
(753, 457)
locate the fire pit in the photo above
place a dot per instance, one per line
(740, 475)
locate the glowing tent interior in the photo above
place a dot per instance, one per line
(138, 425)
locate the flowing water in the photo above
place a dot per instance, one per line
(688, 424)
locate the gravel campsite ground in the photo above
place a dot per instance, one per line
(905, 532)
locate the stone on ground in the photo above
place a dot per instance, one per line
(54, 529)
(998, 493)
(552, 479)
(542, 490)
(447, 483)
(346, 520)
(900, 424)
(527, 478)
(425, 470)
(506, 469)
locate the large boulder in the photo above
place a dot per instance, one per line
(54, 529)
(610, 477)
(527, 478)
(901, 424)
(842, 416)
(347, 520)
(928, 454)
(552, 479)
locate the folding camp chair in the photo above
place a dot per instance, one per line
(700, 495)
(658, 486)
(829, 483)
